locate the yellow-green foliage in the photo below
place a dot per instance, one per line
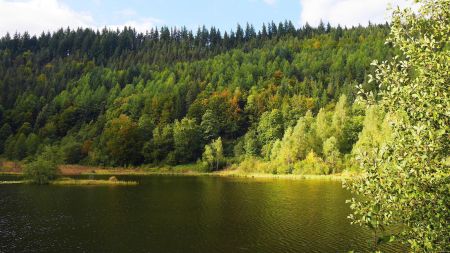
(69, 181)
(312, 165)
(213, 155)
(406, 181)
(251, 164)
(293, 147)
(332, 154)
(375, 133)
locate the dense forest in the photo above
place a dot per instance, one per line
(279, 99)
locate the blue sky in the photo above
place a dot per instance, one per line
(222, 14)
(35, 16)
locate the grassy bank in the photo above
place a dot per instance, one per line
(70, 181)
(186, 169)
(14, 182)
(234, 173)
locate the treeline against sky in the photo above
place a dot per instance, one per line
(161, 46)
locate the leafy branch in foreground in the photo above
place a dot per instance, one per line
(406, 182)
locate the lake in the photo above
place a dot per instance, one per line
(180, 214)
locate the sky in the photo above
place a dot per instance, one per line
(35, 16)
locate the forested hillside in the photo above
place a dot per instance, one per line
(278, 100)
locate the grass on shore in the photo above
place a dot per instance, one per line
(223, 173)
(9, 173)
(70, 181)
(237, 173)
(14, 182)
(78, 182)
(179, 170)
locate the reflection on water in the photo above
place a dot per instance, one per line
(180, 214)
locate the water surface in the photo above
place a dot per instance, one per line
(180, 214)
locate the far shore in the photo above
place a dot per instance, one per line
(182, 170)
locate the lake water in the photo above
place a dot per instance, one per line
(180, 214)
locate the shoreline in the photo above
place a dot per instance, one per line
(64, 181)
(227, 174)
(190, 170)
(179, 170)
(87, 171)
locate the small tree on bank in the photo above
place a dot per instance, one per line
(213, 154)
(44, 168)
(407, 179)
(41, 171)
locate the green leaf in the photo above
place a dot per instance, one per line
(385, 239)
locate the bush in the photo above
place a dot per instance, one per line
(202, 166)
(171, 159)
(255, 165)
(312, 165)
(41, 171)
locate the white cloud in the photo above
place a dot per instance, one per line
(135, 21)
(35, 16)
(347, 12)
(127, 12)
(141, 24)
(270, 2)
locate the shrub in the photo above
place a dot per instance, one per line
(312, 165)
(255, 165)
(41, 171)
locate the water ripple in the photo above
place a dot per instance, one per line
(180, 214)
